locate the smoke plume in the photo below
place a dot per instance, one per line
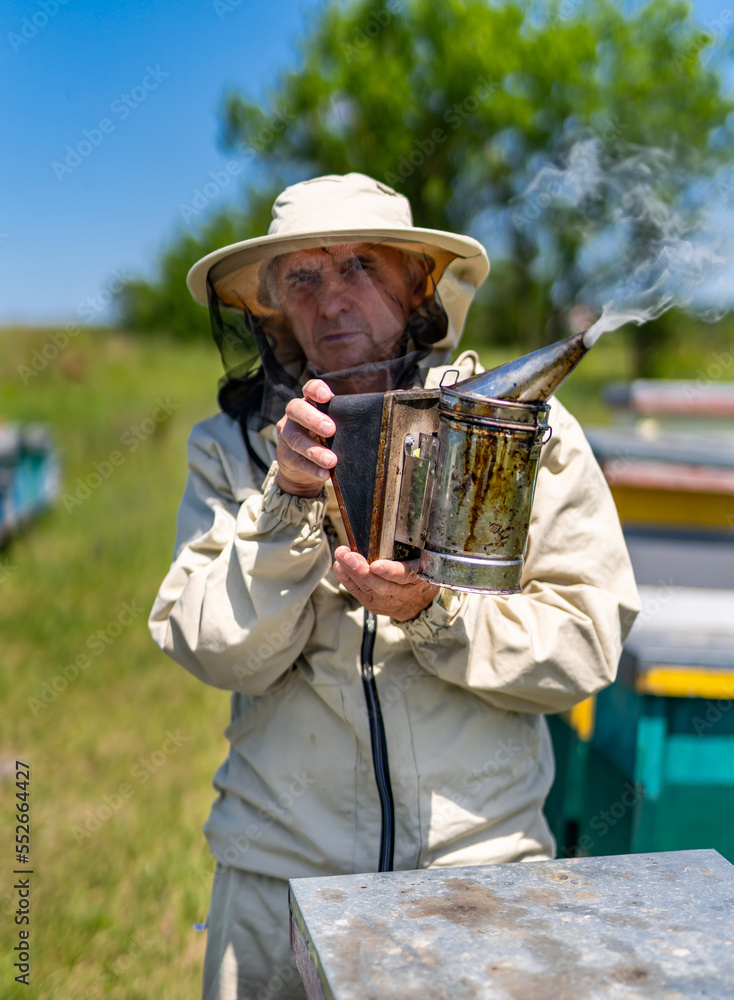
(650, 236)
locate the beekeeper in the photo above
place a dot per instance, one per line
(264, 599)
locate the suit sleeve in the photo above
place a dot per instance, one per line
(235, 608)
(559, 640)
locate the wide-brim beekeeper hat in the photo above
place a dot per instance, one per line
(345, 209)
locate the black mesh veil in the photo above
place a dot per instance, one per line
(361, 316)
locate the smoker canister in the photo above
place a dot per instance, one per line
(483, 492)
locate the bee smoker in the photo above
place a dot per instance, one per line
(453, 468)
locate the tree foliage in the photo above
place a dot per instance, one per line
(459, 104)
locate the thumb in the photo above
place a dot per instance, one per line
(394, 571)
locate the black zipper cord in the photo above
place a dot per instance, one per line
(379, 745)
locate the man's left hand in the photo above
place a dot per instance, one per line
(385, 587)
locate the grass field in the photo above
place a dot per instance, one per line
(122, 753)
(119, 877)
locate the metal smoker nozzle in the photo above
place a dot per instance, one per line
(530, 379)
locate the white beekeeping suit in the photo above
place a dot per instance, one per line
(251, 604)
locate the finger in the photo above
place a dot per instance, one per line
(353, 567)
(396, 572)
(312, 420)
(317, 390)
(352, 564)
(303, 447)
(360, 588)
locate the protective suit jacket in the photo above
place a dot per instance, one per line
(251, 605)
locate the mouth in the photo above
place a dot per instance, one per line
(342, 336)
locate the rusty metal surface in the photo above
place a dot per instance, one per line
(378, 500)
(652, 926)
(420, 461)
(413, 410)
(478, 527)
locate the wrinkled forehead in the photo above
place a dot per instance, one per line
(336, 257)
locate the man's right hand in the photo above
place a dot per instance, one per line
(304, 463)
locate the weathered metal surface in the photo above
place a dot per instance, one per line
(474, 517)
(618, 928)
(420, 461)
(532, 378)
(406, 412)
(306, 962)
(477, 531)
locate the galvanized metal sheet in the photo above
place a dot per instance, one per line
(618, 928)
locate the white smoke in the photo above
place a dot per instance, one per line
(650, 238)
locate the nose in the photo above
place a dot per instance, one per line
(334, 296)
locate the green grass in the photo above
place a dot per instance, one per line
(112, 912)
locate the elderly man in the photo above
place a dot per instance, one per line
(346, 295)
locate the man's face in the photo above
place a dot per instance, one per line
(348, 304)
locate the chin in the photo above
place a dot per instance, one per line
(346, 359)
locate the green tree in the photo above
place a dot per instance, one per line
(459, 105)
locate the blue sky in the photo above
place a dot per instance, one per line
(139, 85)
